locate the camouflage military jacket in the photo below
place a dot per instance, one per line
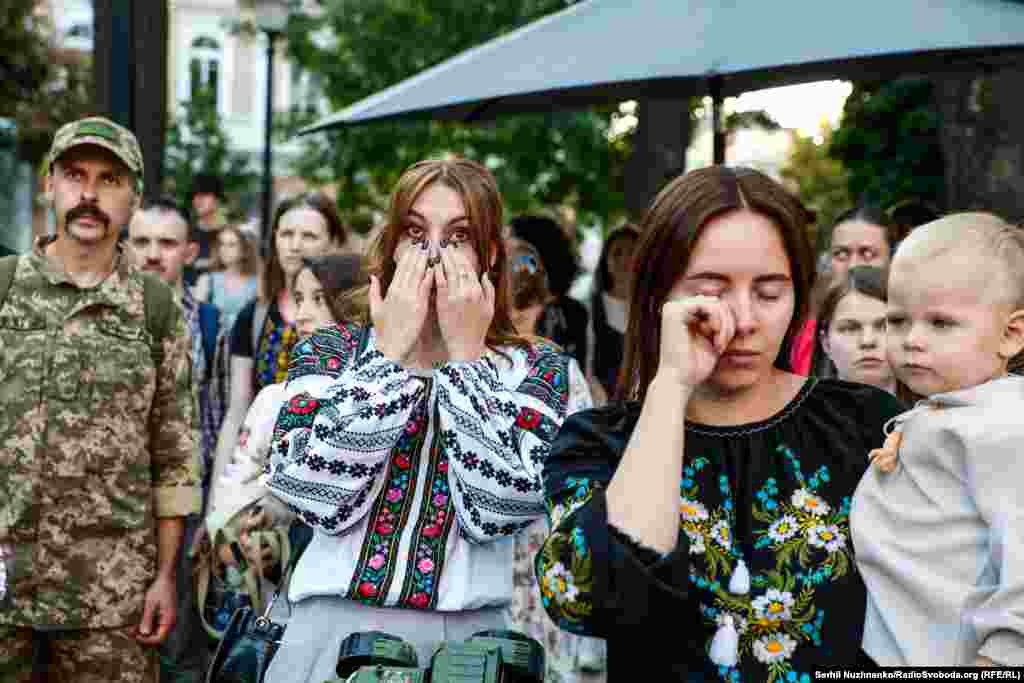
(95, 444)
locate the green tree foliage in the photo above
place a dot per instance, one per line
(821, 182)
(359, 47)
(33, 71)
(889, 142)
(197, 143)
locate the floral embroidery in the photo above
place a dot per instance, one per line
(431, 535)
(568, 587)
(277, 343)
(379, 555)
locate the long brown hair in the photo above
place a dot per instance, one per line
(250, 259)
(670, 229)
(272, 281)
(338, 275)
(478, 190)
(870, 281)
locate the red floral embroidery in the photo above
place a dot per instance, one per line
(303, 404)
(419, 600)
(367, 589)
(528, 418)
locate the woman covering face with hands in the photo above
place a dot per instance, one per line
(414, 434)
(714, 499)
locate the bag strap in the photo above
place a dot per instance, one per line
(8, 265)
(259, 320)
(158, 300)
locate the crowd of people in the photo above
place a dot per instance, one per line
(732, 458)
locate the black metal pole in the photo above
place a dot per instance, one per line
(717, 127)
(268, 180)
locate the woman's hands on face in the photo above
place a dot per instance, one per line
(695, 331)
(399, 315)
(465, 303)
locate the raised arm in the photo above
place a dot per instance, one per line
(331, 444)
(497, 437)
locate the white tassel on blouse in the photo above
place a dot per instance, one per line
(739, 584)
(725, 645)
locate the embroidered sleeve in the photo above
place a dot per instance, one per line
(994, 471)
(593, 579)
(333, 437)
(496, 439)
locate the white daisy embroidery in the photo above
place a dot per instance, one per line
(828, 537)
(737, 621)
(783, 528)
(721, 535)
(558, 581)
(774, 605)
(773, 648)
(692, 510)
(805, 500)
(696, 542)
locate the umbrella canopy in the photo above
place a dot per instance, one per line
(601, 51)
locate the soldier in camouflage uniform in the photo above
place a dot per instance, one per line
(98, 447)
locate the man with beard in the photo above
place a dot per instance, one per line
(165, 241)
(98, 455)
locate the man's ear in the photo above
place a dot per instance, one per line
(191, 252)
(1012, 342)
(48, 186)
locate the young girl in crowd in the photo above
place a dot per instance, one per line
(418, 463)
(861, 236)
(231, 282)
(529, 294)
(702, 526)
(321, 296)
(938, 522)
(851, 330)
(608, 312)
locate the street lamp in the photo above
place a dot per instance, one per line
(271, 16)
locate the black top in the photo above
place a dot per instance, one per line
(775, 494)
(564, 321)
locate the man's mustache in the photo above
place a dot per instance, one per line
(87, 211)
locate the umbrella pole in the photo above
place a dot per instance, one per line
(717, 129)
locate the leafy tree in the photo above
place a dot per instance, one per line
(32, 71)
(821, 182)
(889, 142)
(197, 143)
(359, 47)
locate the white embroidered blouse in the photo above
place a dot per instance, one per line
(415, 482)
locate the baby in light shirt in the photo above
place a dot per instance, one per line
(938, 521)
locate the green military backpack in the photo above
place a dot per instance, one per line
(158, 300)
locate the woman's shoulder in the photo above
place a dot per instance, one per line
(603, 431)
(327, 351)
(863, 402)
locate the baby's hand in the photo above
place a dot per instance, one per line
(886, 457)
(984, 662)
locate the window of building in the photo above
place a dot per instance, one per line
(204, 68)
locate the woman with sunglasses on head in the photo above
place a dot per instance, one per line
(702, 526)
(419, 462)
(564, 652)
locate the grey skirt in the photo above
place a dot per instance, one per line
(316, 627)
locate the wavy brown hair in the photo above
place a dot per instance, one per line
(478, 190)
(670, 229)
(250, 257)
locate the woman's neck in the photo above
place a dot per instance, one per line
(713, 406)
(430, 347)
(284, 306)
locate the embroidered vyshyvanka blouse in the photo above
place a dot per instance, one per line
(414, 482)
(774, 495)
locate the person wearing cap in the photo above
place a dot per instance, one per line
(98, 445)
(207, 203)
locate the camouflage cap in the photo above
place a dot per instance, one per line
(104, 133)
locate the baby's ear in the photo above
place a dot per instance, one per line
(1013, 336)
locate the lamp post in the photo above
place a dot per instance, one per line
(271, 17)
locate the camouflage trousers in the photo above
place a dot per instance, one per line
(84, 656)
